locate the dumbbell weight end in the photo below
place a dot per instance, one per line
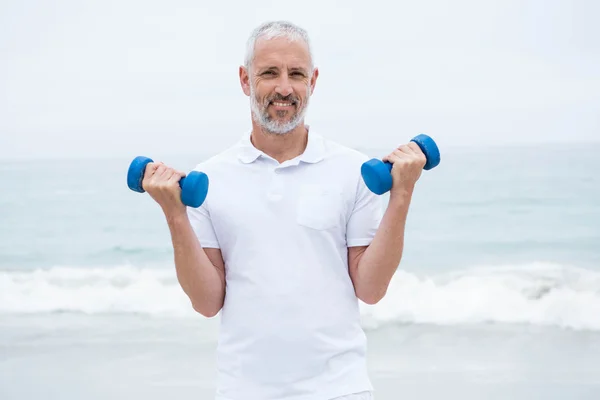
(194, 186)
(377, 174)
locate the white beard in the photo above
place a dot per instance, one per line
(262, 117)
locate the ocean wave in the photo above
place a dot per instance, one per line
(538, 294)
(122, 289)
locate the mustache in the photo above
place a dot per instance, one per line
(277, 97)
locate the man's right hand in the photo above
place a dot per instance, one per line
(162, 184)
(200, 272)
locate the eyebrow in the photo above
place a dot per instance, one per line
(293, 69)
(299, 69)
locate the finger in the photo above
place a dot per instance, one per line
(149, 172)
(390, 157)
(169, 174)
(402, 153)
(397, 151)
(406, 149)
(160, 170)
(420, 155)
(394, 156)
(150, 169)
(387, 158)
(154, 164)
(176, 177)
(416, 148)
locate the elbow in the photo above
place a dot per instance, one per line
(206, 311)
(372, 297)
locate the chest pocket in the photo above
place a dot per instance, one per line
(319, 207)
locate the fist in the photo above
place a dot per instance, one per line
(162, 184)
(407, 165)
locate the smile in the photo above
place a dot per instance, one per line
(280, 104)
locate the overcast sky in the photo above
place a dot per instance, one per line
(121, 77)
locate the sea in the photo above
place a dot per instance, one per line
(497, 295)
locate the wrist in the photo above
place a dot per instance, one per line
(176, 216)
(401, 194)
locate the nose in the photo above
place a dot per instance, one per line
(284, 87)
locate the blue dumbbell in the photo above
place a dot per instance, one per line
(377, 174)
(194, 187)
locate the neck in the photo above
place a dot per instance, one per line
(281, 147)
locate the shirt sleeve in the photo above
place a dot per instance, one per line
(365, 217)
(203, 226)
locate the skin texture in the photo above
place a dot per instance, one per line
(372, 267)
(281, 69)
(279, 82)
(200, 272)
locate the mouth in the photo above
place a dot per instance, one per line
(282, 105)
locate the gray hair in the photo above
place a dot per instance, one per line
(273, 29)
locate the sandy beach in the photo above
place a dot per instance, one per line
(76, 357)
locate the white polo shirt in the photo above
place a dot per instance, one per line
(290, 323)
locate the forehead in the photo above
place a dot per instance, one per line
(281, 51)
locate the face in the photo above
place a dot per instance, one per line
(279, 84)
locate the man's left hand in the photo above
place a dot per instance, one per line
(408, 161)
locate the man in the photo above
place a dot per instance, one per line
(289, 238)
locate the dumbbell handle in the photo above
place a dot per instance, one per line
(377, 174)
(194, 186)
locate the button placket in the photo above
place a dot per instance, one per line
(275, 191)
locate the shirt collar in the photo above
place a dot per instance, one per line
(314, 152)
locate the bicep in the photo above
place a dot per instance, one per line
(216, 258)
(354, 255)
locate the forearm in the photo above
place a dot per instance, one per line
(380, 260)
(202, 281)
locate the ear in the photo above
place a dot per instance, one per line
(313, 80)
(245, 80)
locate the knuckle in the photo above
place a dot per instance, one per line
(147, 186)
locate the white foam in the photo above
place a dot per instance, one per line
(540, 294)
(122, 289)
